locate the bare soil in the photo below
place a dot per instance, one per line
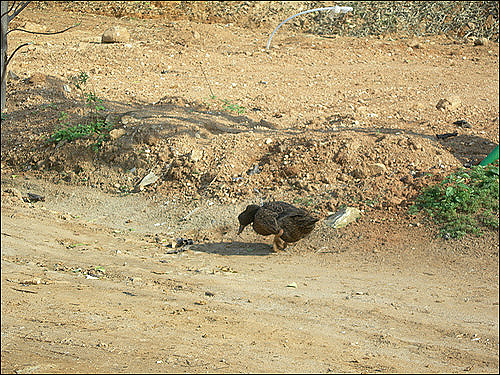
(92, 280)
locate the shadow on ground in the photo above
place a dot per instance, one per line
(235, 248)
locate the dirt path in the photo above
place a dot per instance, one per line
(230, 305)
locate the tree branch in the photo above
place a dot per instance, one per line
(40, 33)
(19, 9)
(11, 7)
(10, 57)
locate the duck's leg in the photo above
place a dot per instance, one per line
(278, 243)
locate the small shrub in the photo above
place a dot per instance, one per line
(94, 127)
(463, 202)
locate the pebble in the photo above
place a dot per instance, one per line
(462, 124)
(115, 34)
(449, 103)
(34, 281)
(376, 169)
(195, 155)
(481, 41)
(35, 197)
(149, 179)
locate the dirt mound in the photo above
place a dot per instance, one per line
(320, 122)
(217, 155)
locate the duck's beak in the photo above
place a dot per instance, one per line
(241, 229)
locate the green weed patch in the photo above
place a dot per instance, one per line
(464, 202)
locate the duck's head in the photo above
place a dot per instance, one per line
(247, 216)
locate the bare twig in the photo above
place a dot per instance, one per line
(41, 33)
(25, 291)
(206, 79)
(192, 212)
(12, 6)
(19, 9)
(10, 57)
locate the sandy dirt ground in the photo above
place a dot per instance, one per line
(90, 279)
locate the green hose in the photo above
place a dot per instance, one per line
(493, 156)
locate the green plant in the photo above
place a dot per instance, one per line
(93, 127)
(98, 129)
(225, 104)
(228, 106)
(463, 202)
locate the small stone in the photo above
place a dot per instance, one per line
(462, 124)
(195, 155)
(376, 169)
(449, 103)
(67, 88)
(116, 133)
(116, 34)
(151, 178)
(359, 173)
(292, 285)
(291, 170)
(164, 156)
(136, 280)
(343, 217)
(34, 281)
(127, 120)
(481, 41)
(415, 45)
(35, 197)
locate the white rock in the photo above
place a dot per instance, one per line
(343, 217)
(151, 178)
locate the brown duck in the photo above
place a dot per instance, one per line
(287, 222)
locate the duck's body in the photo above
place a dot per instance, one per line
(287, 222)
